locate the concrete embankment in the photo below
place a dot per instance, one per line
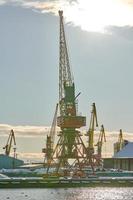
(66, 182)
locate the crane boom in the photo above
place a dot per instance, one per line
(53, 127)
(65, 75)
(11, 139)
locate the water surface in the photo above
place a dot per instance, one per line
(98, 193)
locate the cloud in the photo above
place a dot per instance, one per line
(31, 140)
(31, 156)
(43, 6)
(24, 131)
(89, 15)
(125, 31)
(2, 2)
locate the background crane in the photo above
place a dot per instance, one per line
(50, 139)
(120, 143)
(93, 124)
(11, 140)
(101, 139)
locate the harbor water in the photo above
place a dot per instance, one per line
(98, 193)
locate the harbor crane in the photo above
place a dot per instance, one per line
(93, 125)
(70, 149)
(95, 158)
(120, 140)
(11, 140)
(101, 139)
(50, 139)
(120, 143)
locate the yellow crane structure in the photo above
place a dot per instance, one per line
(101, 139)
(50, 139)
(120, 143)
(90, 133)
(95, 158)
(11, 140)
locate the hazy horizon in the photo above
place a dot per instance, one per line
(31, 139)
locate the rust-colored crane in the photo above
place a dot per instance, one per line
(8, 146)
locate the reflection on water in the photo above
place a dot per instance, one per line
(68, 194)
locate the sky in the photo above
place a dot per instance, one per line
(100, 43)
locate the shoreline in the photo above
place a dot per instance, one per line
(66, 183)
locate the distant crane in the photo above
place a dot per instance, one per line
(101, 139)
(11, 140)
(93, 124)
(50, 139)
(120, 140)
(120, 143)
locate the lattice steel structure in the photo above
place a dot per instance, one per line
(70, 151)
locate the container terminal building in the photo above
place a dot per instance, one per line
(122, 160)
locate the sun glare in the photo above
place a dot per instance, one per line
(95, 15)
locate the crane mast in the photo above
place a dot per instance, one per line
(11, 139)
(67, 100)
(120, 139)
(66, 84)
(65, 76)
